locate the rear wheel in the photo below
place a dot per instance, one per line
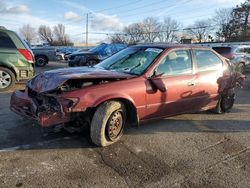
(7, 79)
(108, 123)
(224, 104)
(41, 61)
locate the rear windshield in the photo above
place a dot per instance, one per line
(26, 45)
(222, 50)
(5, 41)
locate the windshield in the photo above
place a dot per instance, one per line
(133, 60)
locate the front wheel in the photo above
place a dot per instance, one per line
(108, 123)
(91, 63)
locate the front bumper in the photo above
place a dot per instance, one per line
(23, 105)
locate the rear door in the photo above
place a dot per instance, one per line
(8, 50)
(209, 68)
(178, 78)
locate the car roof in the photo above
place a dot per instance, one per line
(168, 46)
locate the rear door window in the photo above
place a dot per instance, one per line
(5, 41)
(222, 50)
(177, 62)
(206, 60)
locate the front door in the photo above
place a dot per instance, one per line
(176, 70)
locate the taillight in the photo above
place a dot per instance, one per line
(26, 53)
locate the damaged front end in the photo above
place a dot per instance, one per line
(47, 109)
(47, 96)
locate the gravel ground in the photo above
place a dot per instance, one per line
(192, 150)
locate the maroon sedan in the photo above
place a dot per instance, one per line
(139, 83)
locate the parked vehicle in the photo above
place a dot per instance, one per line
(16, 60)
(67, 54)
(43, 55)
(94, 55)
(238, 55)
(139, 83)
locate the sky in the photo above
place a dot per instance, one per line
(104, 15)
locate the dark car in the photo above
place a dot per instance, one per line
(94, 55)
(68, 53)
(139, 83)
(238, 55)
(16, 60)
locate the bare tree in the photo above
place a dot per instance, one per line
(134, 33)
(28, 33)
(46, 34)
(151, 27)
(169, 29)
(119, 38)
(60, 35)
(200, 30)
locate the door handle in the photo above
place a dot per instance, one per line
(191, 83)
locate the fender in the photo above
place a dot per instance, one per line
(89, 100)
(111, 97)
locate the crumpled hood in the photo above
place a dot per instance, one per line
(50, 80)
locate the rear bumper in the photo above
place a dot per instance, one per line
(25, 73)
(23, 105)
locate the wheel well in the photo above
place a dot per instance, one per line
(131, 112)
(93, 59)
(242, 62)
(11, 69)
(130, 109)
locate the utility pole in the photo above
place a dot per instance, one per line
(87, 29)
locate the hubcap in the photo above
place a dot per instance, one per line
(5, 79)
(115, 125)
(40, 61)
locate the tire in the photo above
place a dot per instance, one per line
(240, 67)
(91, 63)
(7, 79)
(110, 114)
(224, 104)
(41, 61)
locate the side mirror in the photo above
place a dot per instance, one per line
(158, 83)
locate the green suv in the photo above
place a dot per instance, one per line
(16, 60)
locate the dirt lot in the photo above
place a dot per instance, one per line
(193, 150)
